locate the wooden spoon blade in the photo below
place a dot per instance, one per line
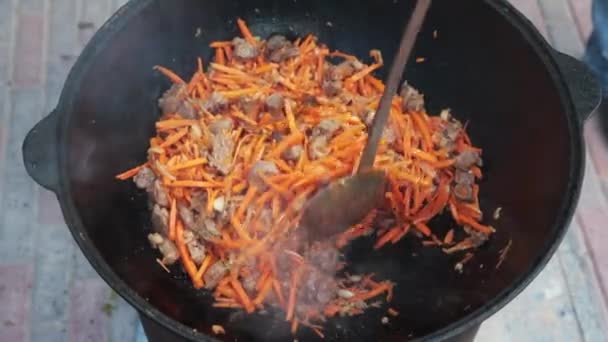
(343, 204)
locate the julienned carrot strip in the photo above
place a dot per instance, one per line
(242, 295)
(364, 72)
(238, 227)
(172, 220)
(170, 74)
(278, 292)
(378, 290)
(219, 44)
(293, 288)
(204, 266)
(449, 237)
(175, 137)
(424, 129)
(476, 225)
(184, 255)
(192, 184)
(219, 56)
(266, 287)
(173, 123)
(388, 236)
(423, 228)
(131, 173)
(246, 32)
(401, 234)
(246, 201)
(292, 139)
(188, 164)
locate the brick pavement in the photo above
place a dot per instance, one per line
(49, 291)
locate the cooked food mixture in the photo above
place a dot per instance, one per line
(240, 148)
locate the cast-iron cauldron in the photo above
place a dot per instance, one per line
(524, 103)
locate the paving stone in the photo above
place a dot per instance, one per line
(15, 296)
(29, 50)
(88, 321)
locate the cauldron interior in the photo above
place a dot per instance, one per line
(480, 64)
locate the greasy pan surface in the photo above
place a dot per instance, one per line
(485, 65)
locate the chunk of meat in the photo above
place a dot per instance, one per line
(195, 247)
(222, 147)
(214, 274)
(389, 135)
(220, 126)
(145, 178)
(160, 219)
(464, 192)
(326, 127)
(324, 257)
(275, 104)
(413, 100)
(318, 147)
(187, 215)
(341, 71)
(331, 87)
(249, 106)
(215, 102)
(318, 289)
(243, 49)
(476, 237)
(464, 177)
(293, 153)
(262, 167)
(175, 100)
(466, 159)
(206, 228)
(279, 49)
(166, 247)
(159, 193)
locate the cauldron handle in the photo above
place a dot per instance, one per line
(40, 152)
(584, 87)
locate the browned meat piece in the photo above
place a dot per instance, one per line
(477, 238)
(275, 103)
(160, 219)
(278, 49)
(319, 288)
(175, 100)
(466, 159)
(195, 248)
(413, 100)
(464, 192)
(160, 196)
(187, 216)
(318, 147)
(207, 229)
(326, 127)
(199, 201)
(243, 49)
(342, 71)
(222, 147)
(293, 153)
(262, 167)
(166, 247)
(214, 274)
(195, 219)
(220, 126)
(464, 177)
(324, 257)
(332, 88)
(145, 178)
(249, 106)
(389, 135)
(215, 102)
